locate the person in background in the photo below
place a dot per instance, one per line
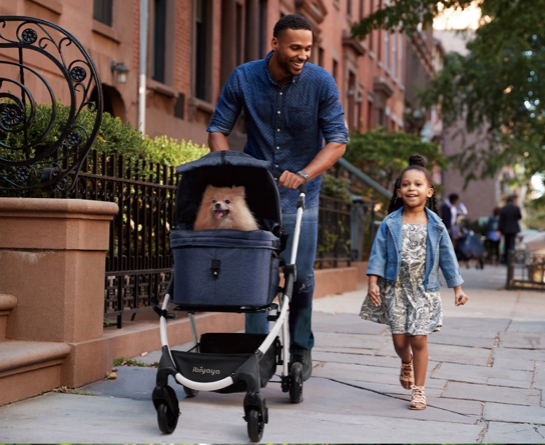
(451, 210)
(509, 225)
(493, 236)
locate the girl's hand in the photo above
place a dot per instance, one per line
(460, 298)
(374, 293)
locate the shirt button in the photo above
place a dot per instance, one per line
(278, 148)
(278, 112)
(278, 129)
(276, 165)
(281, 93)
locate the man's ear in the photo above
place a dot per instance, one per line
(274, 43)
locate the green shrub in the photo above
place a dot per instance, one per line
(114, 137)
(336, 187)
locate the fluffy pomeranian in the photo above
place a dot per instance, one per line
(224, 208)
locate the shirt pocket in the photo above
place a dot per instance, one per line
(302, 117)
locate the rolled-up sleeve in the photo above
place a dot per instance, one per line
(448, 262)
(377, 259)
(331, 114)
(228, 107)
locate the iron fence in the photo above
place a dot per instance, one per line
(526, 271)
(138, 261)
(334, 236)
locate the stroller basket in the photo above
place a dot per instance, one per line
(223, 268)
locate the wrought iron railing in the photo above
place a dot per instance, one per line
(334, 237)
(138, 261)
(526, 271)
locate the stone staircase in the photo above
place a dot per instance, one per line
(27, 368)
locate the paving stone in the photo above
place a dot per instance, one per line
(458, 340)
(526, 326)
(512, 433)
(365, 341)
(509, 383)
(522, 340)
(482, 374)
(345, 323)
(514, 413)
(517, 359)
(470, 324)
(539, 375)
(341, 350)
(450, 330)
(458, 354)
(358, 359)
(485, 393)
(390, 389)
(464, 407)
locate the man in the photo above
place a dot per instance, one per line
(450, 211)
(290, 107)
(509, 226)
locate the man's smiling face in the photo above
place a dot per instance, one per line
(292, 48)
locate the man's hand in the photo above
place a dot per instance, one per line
(290, 180)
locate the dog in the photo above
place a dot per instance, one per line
(224, 208)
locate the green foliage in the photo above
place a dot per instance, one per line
(499, 88)
(114, 137)
(122, 361)
(382, 155)
(338, 188)
(535, 214)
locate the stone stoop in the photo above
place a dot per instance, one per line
(27, 368)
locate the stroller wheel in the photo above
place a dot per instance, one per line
(166, 419)
(296, 383)
(255, 426)
(190, 392)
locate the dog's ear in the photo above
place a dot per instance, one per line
(208, 187)
(239, 190)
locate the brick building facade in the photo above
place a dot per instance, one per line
(193, 45)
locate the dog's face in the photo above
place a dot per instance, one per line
(223, 201)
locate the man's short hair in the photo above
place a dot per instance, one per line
(291, 21)
(511, 199)
(453, 197)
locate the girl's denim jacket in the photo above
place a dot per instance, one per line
(386, 252)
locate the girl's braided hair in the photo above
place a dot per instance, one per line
(416, 162)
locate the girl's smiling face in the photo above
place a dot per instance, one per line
(414, 189)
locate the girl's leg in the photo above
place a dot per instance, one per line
(419, 346)
(402, 347)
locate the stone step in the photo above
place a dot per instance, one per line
(28, 368)
(7, 303)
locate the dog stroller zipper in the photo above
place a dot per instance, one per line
(210, 274)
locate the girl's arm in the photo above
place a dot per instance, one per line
(379, 252)
(448, 261)
(460, 298)
(374, 290)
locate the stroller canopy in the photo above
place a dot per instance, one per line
(227, 169)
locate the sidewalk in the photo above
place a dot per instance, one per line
(486, 383)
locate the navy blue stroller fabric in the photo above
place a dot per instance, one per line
(226, 270)
(469, 246)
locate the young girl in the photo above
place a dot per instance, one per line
(410, 245)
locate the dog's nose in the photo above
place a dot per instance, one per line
(218, 205)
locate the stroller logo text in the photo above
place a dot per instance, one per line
(202, 370)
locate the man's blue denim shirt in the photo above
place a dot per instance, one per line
(385, 257)
(285, 126)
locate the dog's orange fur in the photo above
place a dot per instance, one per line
(218, 200)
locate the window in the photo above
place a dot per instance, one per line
(369, 115)
(379, 32)
(348, 7)
(400, 58)
(321, 57)
(158, 36)
(372, 32)
(335, 70)
(262, 28)
(103, 11)
(394, 55)
(202, 23)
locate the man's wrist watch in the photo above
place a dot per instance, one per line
(304, 175)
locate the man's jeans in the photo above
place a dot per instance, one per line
(300, 313)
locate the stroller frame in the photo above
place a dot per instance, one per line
(243, 369)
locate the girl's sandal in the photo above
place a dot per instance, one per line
(418, 401)
(406, 375)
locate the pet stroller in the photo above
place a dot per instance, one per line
(229, 271)
(468, 246)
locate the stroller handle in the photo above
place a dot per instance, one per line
(302, 188)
